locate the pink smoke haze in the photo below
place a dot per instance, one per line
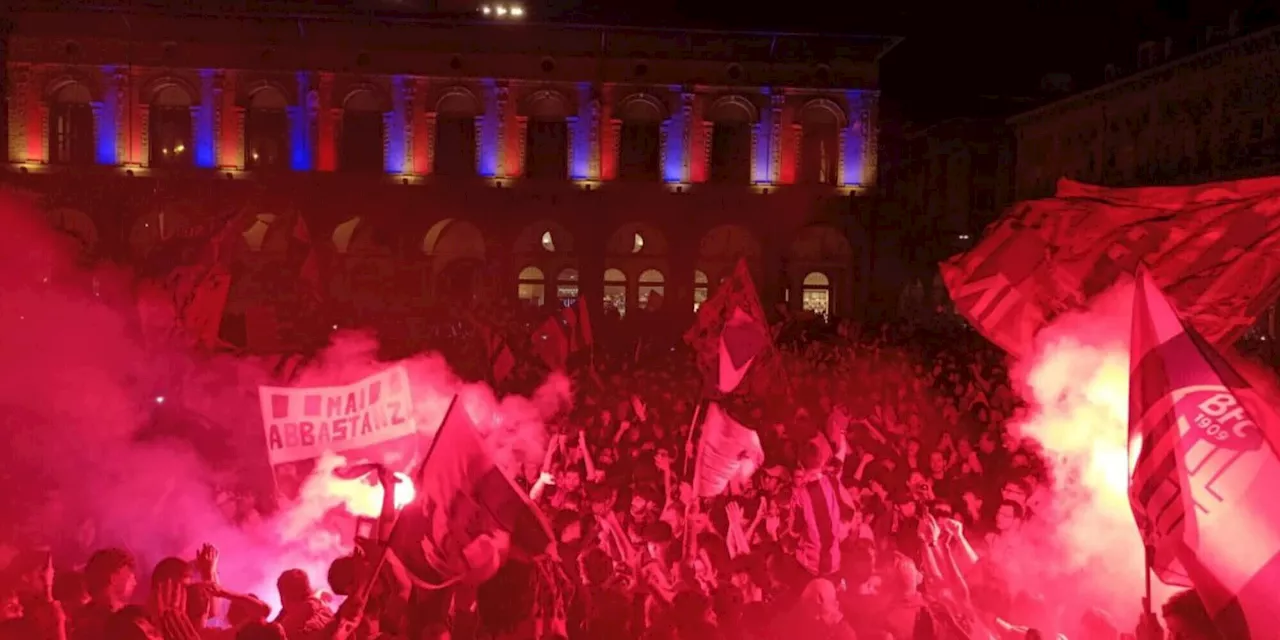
(1081, 549)
(83, 390)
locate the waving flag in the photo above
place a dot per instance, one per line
(550, 343)
(731, 334)
(1204, 470)
(1216, 246)
(467, 516)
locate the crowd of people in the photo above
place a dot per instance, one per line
(886, 482)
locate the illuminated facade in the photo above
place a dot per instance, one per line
(453, 162)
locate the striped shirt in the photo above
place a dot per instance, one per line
(816, 525)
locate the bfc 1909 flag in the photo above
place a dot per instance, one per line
(467, 515)
(1204, 470)
(1214, 247)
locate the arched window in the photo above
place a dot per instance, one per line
(567, 286)
(71, 126)
(266, 130)
(546, 151)
(532, 290)
(815, 293)
(819, 145)
(455, 144)
(615, 291)
(652, 289)
(701, 289)
(362, 132)
(170, 128)
(640, 137)
(730, 160)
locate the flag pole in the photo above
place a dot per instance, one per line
(688, 441)
(1149, 561)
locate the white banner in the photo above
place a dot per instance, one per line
(303, 423)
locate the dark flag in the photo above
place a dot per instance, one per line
(467, 516)
(1203, 470)
(731, 335)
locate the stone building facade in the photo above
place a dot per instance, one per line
(1207, 116)
(456, 162)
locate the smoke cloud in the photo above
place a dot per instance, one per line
(113, 443)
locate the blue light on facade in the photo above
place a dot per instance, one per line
(205, 139)
(490, 123)
(673, 169)
(395, 159)
(108, 125)
(852, 175)
(580, 165)
(764, 146)
(300, 152)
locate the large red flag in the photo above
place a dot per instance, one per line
(467, 516)
(1216, 246)
(1204, 470)
(731, 324)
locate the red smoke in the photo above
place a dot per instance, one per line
(79, 410)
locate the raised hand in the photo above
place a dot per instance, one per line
(207, 562)
(929, 530)
(734, 511)
(952, 527)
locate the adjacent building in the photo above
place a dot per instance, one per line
(1206, 116)
(453, 162)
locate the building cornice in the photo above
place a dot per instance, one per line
(1251, 44)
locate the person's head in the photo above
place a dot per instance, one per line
(986, 443)
(1008, 516)
(569, 480)
(246, 611)
(972, 501)
(1186, 618)
(814, 454)
(937, 462)
(294, 587)
(261, 631)
(913, 447)
(595, 566)
(1015, 491)
(110, 576)
(657, 538)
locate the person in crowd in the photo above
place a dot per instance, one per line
(110, 578)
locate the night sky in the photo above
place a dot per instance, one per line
(955, 60)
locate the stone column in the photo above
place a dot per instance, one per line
(687, 138)
(221, 155)
(20, 79)
(239, 156)
(427, 147)
(388, 126)
(38, 136)
(143, 135)
(593, 141)
(517, 167)
(98, 109)
(327, 120)
(410, 116)
(871, 139)
(572, 137)
(775, 138)
(123, 118)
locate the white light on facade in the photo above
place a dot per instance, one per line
(486, 10)
(517, 12)
(500, 10)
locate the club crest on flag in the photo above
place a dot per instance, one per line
(1212, 413)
